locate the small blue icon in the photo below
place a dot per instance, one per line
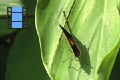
(16, 24)
(16, 9)
(17, 17)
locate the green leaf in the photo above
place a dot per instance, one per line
(94, 23)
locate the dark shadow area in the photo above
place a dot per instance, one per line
(116, 69)
(5, 45)
(118, 7)
(30, 4)
(84, 58)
